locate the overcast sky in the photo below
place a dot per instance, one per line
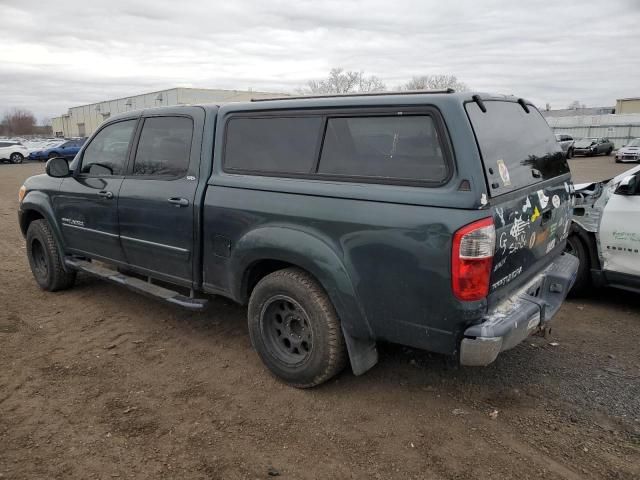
(59, 54)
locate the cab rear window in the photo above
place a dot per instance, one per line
(518, 149)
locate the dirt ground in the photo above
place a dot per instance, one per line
(98, 382)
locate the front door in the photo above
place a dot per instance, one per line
(156, 203)
(87, 203)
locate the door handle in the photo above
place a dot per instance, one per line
(178, 202)
(106, 194)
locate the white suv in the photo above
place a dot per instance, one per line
(12, 151)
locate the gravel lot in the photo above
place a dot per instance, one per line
(98, 382)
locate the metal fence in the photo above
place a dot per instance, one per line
(620, 129)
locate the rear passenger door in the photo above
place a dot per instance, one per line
(156, 205)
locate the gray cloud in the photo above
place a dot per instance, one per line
(61, 54)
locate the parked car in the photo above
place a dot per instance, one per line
(592, 146)
(67, 149)
(12, 151)
(341, 221)
(566, 143)
(630, 152)
(605, 233)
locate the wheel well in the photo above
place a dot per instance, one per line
(28, 217)
(257, 271)
(589, 243)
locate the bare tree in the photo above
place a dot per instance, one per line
(575, 105)
(435, 82)
(18, 122)
(341, 81)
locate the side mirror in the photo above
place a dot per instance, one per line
(627, 186)
(58, 167)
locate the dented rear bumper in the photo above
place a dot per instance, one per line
(514, 319)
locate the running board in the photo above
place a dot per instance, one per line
(136, 284)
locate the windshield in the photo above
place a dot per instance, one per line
(518, 148)
(634, 143)
(585, 142)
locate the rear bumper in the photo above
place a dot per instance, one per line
(513, 320)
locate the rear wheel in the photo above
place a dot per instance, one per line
(576, 247)
(16, 157)
(609, 151)
(295, 329)
(45, 260)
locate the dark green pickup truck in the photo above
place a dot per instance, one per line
(434, 220)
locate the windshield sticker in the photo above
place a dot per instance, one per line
(536, 214)
(507, 279)
(527, 205)
(504, 173)
(544, 200)
(556, 201)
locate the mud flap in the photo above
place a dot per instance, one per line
(363, 353)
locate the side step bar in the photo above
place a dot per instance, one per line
(136, 284)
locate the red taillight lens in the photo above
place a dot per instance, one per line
(472, 258)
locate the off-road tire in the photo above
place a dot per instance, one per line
(576, 247)
(45, 260)
(327, 356)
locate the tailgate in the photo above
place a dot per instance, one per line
(529, 184)
(531, 230)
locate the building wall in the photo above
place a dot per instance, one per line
(82, 121)
(620, 129)
(628, 105)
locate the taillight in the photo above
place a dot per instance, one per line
(472, 258)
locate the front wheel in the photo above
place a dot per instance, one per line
(45, 259)
(16, 157)
(52, 155)
(295, 329)
(576, 247)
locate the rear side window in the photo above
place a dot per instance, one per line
(518, 148)
(164, 147)
(394, 147)
(272, 145)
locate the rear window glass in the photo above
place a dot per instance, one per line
(400, 147)
(278, 144)
(518, 148)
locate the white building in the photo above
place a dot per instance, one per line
(620, 129)
(83, 120)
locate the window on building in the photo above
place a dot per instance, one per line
(164, 147)
(398, 147)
